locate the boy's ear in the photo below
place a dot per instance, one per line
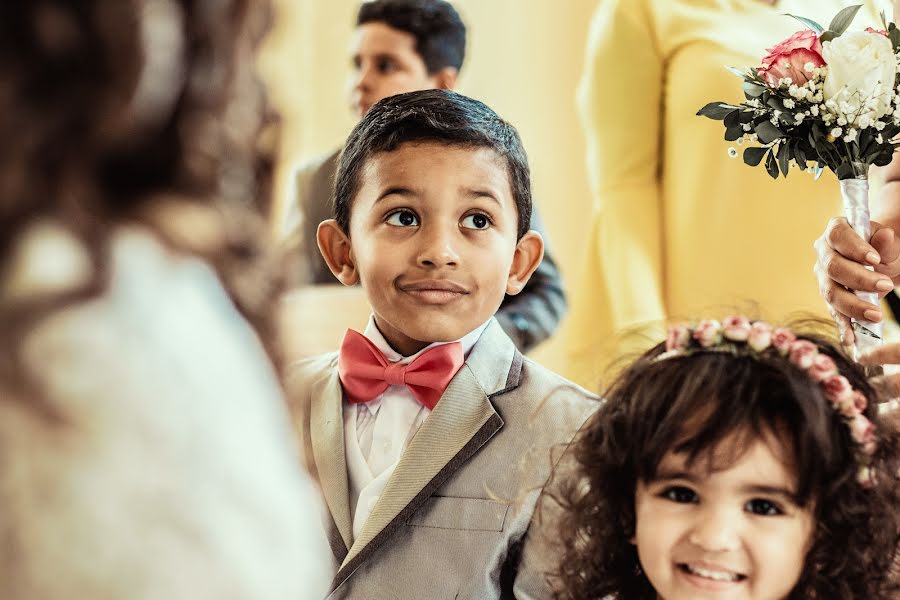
(528, 255)
(334, 245)
(445, 79)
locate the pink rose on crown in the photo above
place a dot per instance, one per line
(859, 400)
(708, 333)
(790, 58)
(803, 354)
(839, 391)
(822, 368)
(862, 430)
(881, 31)
(679, 337)
(782, 339)
(760, 336)
(736, 328)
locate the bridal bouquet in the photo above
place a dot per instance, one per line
(823, 98)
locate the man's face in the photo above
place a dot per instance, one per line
(385, 63)
(433, 236)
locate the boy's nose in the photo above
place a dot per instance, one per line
(361, 79)
(716, 530)
(437, 250)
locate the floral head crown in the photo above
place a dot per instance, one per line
(759, 336)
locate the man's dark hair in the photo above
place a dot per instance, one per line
(439, 31)
(437, 116)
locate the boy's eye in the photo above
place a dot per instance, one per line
(386, 65)
(402, 218)
(759, 506)
(476, 221)
(680, 494)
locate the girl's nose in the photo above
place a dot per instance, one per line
(716, 530)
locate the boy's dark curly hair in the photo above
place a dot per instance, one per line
(855, 545)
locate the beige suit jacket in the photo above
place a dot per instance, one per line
(456, 519)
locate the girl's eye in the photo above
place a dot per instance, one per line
(679, 494)
(759, 506)
(476, 221)
(402, 218)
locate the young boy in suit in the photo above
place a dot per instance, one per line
(431, 435)
(403, 46)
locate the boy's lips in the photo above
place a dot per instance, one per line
(434, 291)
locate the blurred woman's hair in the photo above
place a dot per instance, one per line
(141, 111)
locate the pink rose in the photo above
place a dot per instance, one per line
(736, 328)
(782, 339)
(822, 368)
(862, 430)
(760, 336)
(790, 57)
(803, 353)
(869, 448)
(679, 337)
(708, 333)
(859, 400)
(838, 391)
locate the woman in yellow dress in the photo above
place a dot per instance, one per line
(679, 227)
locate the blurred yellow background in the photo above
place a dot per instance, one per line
(523, 58)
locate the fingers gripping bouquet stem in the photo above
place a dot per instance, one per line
(823, 99)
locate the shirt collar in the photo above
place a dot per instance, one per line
(467, 341)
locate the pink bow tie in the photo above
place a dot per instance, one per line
(365, 372)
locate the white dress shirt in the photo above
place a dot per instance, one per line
(376, 433)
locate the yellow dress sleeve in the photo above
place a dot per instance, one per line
(619, 99)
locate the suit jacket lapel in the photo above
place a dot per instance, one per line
(459, 425)
(327, 438)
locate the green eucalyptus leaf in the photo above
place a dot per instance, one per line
(845, 171)
(767, 132)
(799, 154)
(784, 158)
(753, 90)
(734, 132)
(742, 73)
(753, 155)
(772, 164)
(827, 36)
(842, 20)
(894, 36)
(818, 170)
(716, 110)
(733, 118)
(807, 22)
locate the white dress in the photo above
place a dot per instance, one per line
(173, 472)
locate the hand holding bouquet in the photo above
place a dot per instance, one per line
(823, 98)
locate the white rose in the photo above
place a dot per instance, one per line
(861, 67)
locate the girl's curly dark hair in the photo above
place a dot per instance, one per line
(855, 546)
(113, 108)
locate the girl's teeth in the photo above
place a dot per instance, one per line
(716, 575)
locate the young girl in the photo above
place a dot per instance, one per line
(734, 461)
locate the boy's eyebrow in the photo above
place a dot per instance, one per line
(357, 57)
(395, 190)
(482, 193)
